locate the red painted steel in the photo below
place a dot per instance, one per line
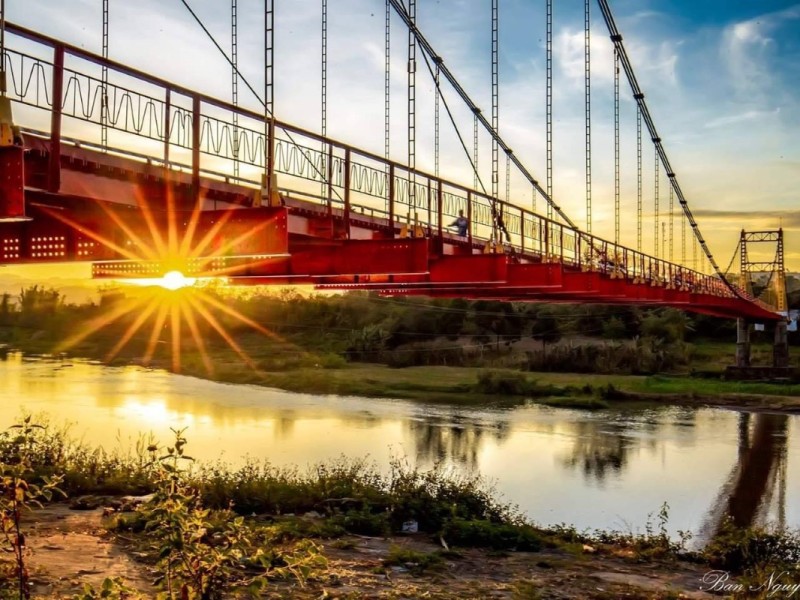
(12, 197)
(295, 244)
(109, 209)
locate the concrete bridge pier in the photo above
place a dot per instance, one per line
(743, 343)
(780, 346)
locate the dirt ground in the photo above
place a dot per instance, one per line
(68, 548)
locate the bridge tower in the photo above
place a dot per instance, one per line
(770, 287)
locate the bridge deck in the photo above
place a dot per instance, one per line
(112, 210)
(346, 218)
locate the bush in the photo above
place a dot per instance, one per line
(413, 560)
(486, 534)
(741, 550)
(436, 353)
(502, 383)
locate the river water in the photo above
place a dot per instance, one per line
(604, 469)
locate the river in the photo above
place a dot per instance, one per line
(604, 469)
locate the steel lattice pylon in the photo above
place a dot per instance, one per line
(775, 289)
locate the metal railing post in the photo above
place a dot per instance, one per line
(469, 219)
(196, 150)
(439, 210)
(54, 167)
(347, 193)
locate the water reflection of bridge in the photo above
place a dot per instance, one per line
(755, 489)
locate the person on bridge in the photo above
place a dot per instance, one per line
(461, 223)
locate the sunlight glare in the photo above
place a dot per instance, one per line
(175, 280)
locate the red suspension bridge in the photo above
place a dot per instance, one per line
(206, 187)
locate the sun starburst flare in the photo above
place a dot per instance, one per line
(185, 255)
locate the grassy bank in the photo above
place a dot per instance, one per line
(207, 531)
(468, 386)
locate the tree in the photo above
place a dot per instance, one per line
(36, 304)
(5, 309)
(546, 329)
(498, 319)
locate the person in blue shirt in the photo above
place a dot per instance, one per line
(461, 223)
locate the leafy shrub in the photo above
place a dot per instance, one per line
(740, 550)
(498, 536)
(504, 383)
(413, 560)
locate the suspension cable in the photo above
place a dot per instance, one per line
(436, 125)
(412, 99)
(588, 110)
(497, 220)
(475, 151)
(671, 222)
(324, 95)
(268, 101)
(639, 195)
(269, 54)
(2, 47)
(324, 70)
(549, 105)
(683, 242)
(235, 86)
(638, 95)
(387, 87)
(616, 148)
(478, 181)
(733, 258)
(269, 89)
(656, 174)
(448, 75)
(495, 101)
(508, 178)
(104, 84)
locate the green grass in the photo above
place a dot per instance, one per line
(285, 366)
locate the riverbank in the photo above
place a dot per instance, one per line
(358, 566)
(338, 530)
(463, 386)
(469, 386)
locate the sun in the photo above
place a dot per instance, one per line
(175, 280)
(172, 304)
(171, 281)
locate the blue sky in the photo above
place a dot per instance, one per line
(722, 79)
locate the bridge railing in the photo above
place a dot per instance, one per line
(184, 129)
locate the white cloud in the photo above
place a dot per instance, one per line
(750, 115)
(745, 49)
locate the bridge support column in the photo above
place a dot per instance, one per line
(780, 346)
(742, 343)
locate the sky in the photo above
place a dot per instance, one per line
(721, 78)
